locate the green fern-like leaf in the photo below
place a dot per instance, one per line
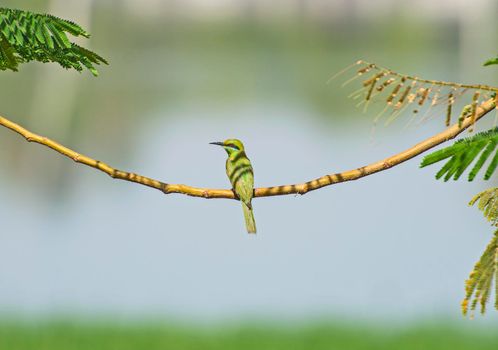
(463, 152)
(487, 202)
(478, 285)
(491, 61)
(27, 36)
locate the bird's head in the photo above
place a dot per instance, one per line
(230, 145)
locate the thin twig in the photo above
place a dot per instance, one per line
(302, 188)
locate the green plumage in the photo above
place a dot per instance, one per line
(241, 176)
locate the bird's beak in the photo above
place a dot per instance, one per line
(217, 143)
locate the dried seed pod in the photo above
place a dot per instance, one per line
(473, 110)
(385, 84)
(395, 91)
(373, 82)
(366, 69)
(403, 96)
(451, 100)
(423, 95)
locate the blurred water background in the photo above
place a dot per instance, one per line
(395, 247)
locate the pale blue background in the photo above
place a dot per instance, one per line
(397, 245)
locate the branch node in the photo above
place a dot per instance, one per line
(302, 190)
(164, 187)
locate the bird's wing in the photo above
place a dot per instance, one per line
(240, 173)
(244, 187)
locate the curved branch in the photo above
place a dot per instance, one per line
(302, 188)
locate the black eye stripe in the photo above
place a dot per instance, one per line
(233, 146)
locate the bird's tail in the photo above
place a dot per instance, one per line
(249, 217)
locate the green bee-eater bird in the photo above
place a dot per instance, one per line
(241, 175)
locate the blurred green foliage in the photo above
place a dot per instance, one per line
(491, 61)
(101, 336)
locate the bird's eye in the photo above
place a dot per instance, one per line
(231, 145)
